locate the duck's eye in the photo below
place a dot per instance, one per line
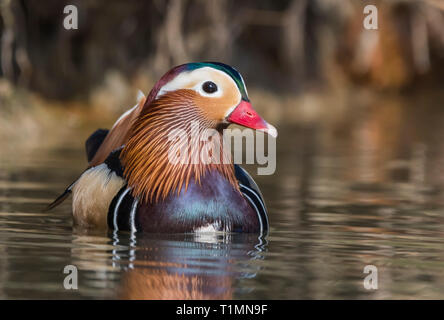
(209, 87)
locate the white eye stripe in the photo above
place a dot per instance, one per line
(195, 79)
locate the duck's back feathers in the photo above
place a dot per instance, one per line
(94, 142)
(118, 135)
(60, 198)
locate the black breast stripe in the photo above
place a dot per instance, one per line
(257, 203)
(122, 212)
(253, 195)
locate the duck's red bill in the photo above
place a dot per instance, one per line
(246, 116)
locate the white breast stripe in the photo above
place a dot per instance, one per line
(258, 198)
(133, 215)
(257, 211)
(255, 193)
(116, 209)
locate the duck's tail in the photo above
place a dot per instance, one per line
(60, 198)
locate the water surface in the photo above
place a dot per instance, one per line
(365, 190)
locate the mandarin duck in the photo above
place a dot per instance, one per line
(131, 184)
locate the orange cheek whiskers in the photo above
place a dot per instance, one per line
(145, 156)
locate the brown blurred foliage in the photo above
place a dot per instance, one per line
(282, 46)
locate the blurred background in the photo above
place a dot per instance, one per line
(360, 158)
(302, 60)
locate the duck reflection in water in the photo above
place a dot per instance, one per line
(187, 266)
